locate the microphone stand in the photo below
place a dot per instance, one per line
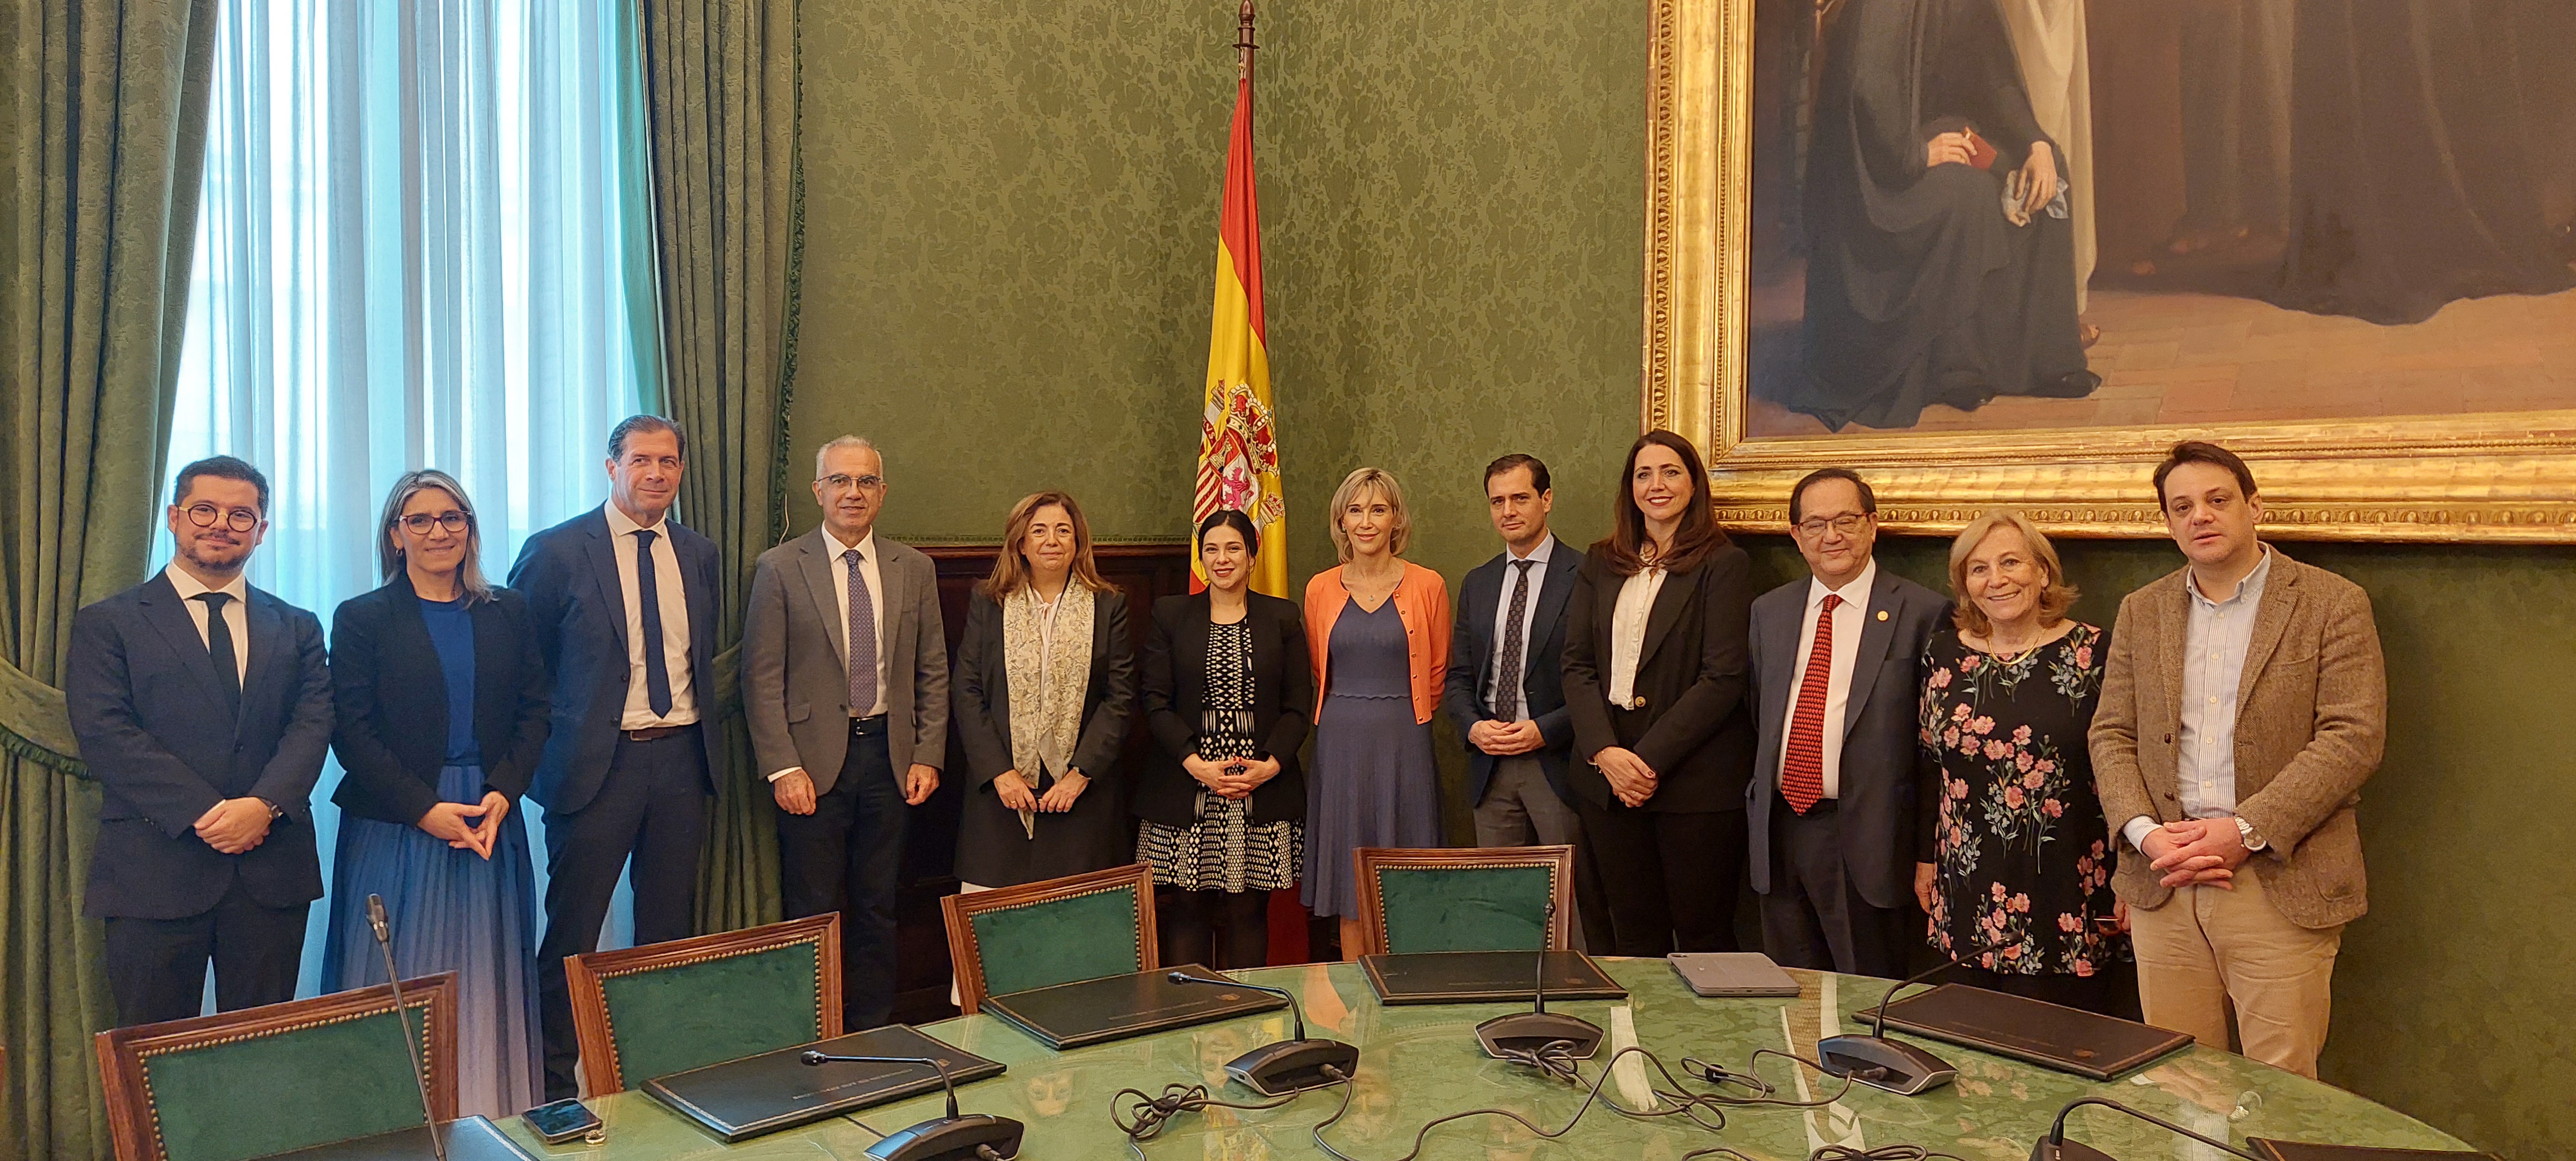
(1874, 1060)
(1522, 1036)
(2055, 1146)
(955, 1137)
(1286, 1066)
(411, 1045)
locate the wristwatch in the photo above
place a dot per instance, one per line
(2245, 833)
(275, 811)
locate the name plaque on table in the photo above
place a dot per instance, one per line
(2305, 1151)
(756, 1095)
(1117, 1007)
(1485, 977)
(467, 1139)
(2087, 1044)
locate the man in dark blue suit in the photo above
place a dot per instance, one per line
(624, 604)
(203, 708)
(1505, 689)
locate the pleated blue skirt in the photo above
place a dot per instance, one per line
(449, 910)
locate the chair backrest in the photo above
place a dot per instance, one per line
(1470, 899)
(662, 1008)
(271, 1079)
(1035, 935)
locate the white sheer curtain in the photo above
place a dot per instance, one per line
(424, 242)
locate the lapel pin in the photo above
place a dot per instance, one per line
(1882, 614)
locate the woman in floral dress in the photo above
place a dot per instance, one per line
(2015, 863)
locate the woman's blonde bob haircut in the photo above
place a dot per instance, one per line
(389, 539)
(1371, 480)
(1011, 571)
(2055, 596)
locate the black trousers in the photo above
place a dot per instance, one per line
(156, 968)
(847, 857)
(1814, 917)
(1190, 932)
(652, 808)
(1670, 877)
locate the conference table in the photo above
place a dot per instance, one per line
(1422, 1062)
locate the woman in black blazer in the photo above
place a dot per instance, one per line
(440, 689)
(1228, 692)
(1656, 672)
(1042, 694)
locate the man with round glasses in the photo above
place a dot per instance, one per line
(203, 708)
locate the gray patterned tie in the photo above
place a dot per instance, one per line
(1507, 679)
(863, 638)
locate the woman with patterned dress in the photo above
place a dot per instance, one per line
(1226, 694)
(2015, 863)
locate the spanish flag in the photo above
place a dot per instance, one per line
(1238, 449)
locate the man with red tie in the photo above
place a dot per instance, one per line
(1831, 810)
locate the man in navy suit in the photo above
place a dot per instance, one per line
(1836, 681)
(1505, 689)
(624, 603)
(203, 708)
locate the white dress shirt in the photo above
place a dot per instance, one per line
(673, 595)
(2215, 642)
(1850, 617)
(236, 612)
(1494, 676)
(1628, 632)
(840, 570)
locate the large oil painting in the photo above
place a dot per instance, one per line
(2004, 250)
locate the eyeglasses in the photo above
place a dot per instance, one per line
(237, 519)
(842, 482)
(418, 523)
(1847, 524)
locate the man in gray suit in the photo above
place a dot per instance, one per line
(845, 687)
(1831, 807)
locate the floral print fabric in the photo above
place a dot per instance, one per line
(2021, 851)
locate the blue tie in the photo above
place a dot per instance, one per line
(648, 593)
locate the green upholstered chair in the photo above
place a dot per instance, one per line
(266, 1080)
(662, 1008)
(1036, 935)
(1472, 899)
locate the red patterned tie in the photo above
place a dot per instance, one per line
(1802, 772)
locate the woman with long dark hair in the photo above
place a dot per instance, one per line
(1656, 672)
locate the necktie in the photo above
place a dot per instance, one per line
(1507, 675)
(863, 638)
(648, 593)
(1802, 772)
(219, 645)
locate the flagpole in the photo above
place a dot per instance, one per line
(1243, 45)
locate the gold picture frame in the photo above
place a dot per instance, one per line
(2498, 478)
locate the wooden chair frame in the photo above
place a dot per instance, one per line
(124, 1053)
(585, 973)
(961, 910)
(1367, 862)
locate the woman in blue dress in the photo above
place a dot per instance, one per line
(441, 697)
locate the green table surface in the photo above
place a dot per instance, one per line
(1420, 1062)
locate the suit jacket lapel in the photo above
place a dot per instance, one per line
(1190, 651)
(814, 561)
(1877, 632)
(1670, 600)
(1781, 642)
(2271, 621)
(2174, 625)
(602, 546)
(1561, 568)
(169, 614)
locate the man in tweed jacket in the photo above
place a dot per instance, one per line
(2244, 705)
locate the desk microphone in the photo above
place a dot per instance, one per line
(2055, 1146)
(973, 1137)
(1521, 1035)
(1881, 1063)
(1285, 1066)
(385, 944)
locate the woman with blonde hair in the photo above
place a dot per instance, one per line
(1044, 689)
(1377, 626)
(2014, 859)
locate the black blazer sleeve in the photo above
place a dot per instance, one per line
(1585, 702)
(1296, 678)
(1158, 680)
(973, 692)
(1458, 690)
(374, 774)
(510, 770)
(1725, 592)
(1113, 689)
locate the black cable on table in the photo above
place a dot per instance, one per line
(1881, 1153)
(1147, 1114)
(1690, 1106)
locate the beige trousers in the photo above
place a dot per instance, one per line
(2208, 949)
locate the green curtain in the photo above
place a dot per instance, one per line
(720, 88)
(102, 139)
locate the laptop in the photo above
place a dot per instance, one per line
(1732, 974)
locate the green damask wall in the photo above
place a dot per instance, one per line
(1010, 228)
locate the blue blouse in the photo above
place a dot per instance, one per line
(451, 632)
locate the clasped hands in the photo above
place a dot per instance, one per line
(1015, 792)
(234, 826)
(1505, 739)
(450, 821)
(1631, 780)
(1234, 778)
(2205, 851)
(2038, 171)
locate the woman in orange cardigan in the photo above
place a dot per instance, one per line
(1378, 628)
